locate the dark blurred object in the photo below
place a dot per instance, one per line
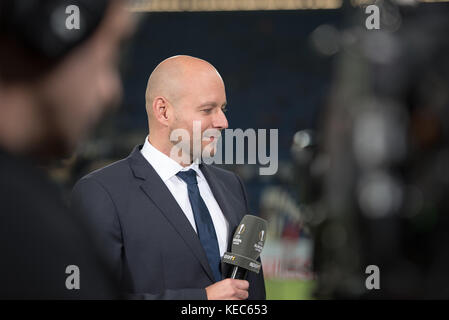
(40, 25)
(40, 239)
(38, 30)
(386, 138)
(53, 88)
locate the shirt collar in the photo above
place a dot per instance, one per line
(165, 166)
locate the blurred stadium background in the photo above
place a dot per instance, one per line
(298, 66)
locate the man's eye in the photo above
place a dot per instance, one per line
(224, 109)
(207, 110)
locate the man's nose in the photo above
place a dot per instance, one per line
(220, 120)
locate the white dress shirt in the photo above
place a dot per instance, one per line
(167, 168)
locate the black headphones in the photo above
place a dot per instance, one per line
(41, 25)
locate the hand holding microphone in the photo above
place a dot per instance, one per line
(247, 245)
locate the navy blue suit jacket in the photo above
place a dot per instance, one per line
(144, 234)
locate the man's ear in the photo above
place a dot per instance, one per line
(161, 110)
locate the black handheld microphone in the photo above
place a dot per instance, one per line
(247, 244)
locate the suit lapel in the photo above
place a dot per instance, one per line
(160, 195)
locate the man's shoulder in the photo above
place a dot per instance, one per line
(113, 174)
(111, 170)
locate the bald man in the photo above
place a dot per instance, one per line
(163, 217)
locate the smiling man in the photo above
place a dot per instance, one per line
(164, 221)
(185, 101)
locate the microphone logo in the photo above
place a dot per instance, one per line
(241, 229)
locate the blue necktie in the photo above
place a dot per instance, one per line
(203, 221)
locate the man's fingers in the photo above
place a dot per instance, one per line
(242, 294)
(241, 284)
(241, 288)
(232, 289)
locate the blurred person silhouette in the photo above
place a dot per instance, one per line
(55, 83)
